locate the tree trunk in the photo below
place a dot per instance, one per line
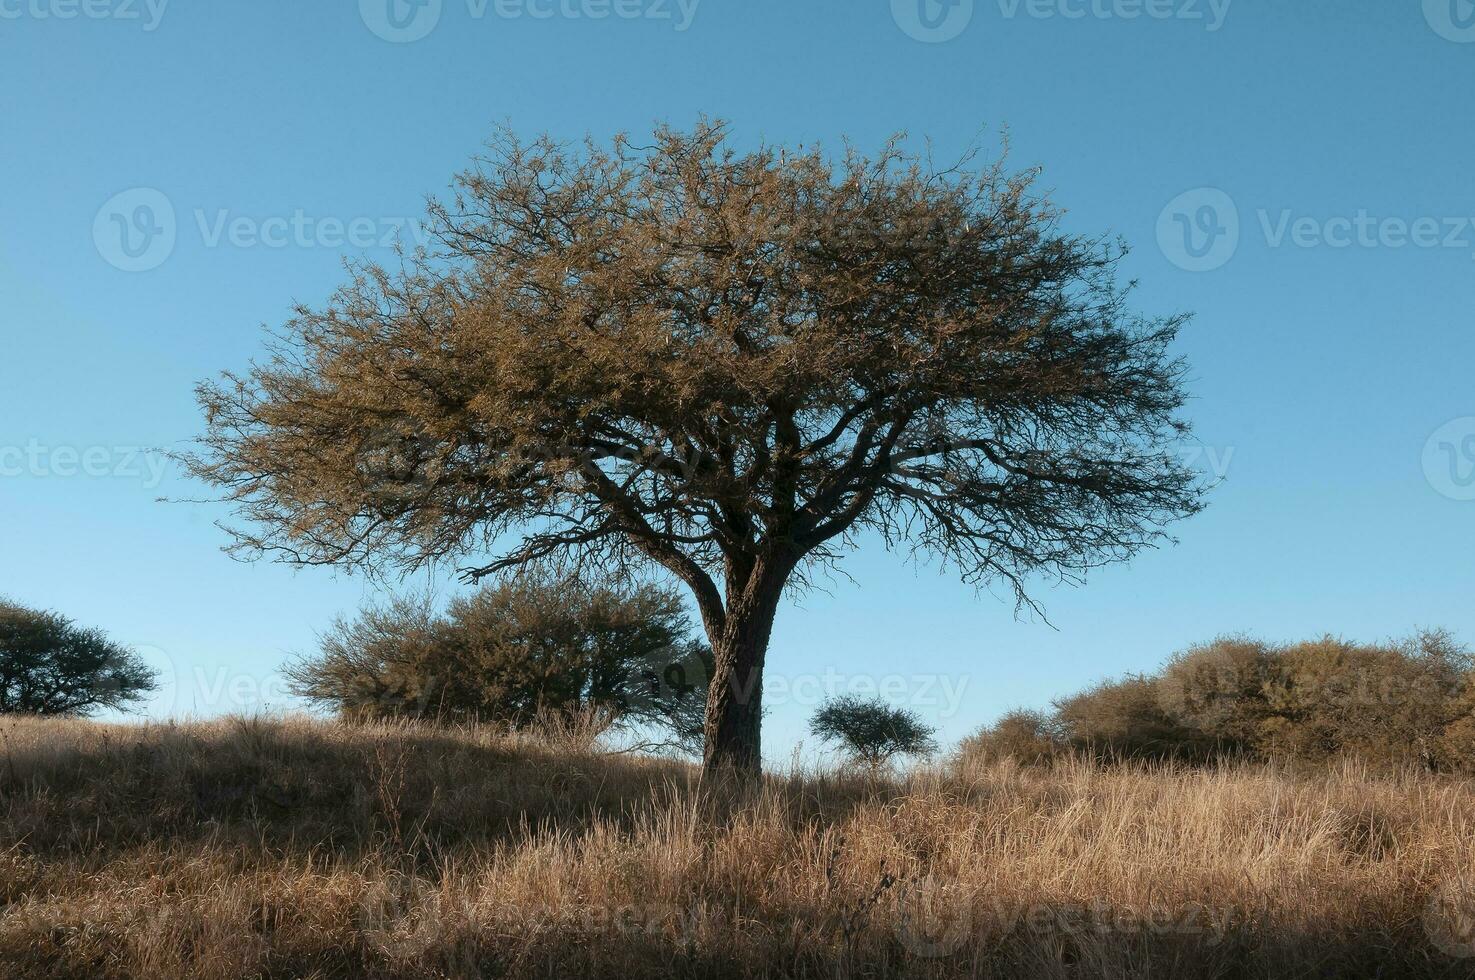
(733, 725)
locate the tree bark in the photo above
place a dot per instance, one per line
(733, 725)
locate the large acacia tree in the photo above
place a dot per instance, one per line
(729, 364)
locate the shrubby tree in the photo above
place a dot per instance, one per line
(1407, 702)
(1222, 690)
(872, 731)
(51, 666)
(514, 650)
(1027, 737)
(1124, 719)
(734, 365)
(1383, 702)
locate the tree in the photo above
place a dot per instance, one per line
(513, 651)
(731, 365)
(51, 666)
(871, 730)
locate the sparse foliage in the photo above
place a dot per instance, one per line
(51, 666)
(730, 364)
(872, 731)
(520, 651)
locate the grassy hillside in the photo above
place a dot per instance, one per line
(308, 849)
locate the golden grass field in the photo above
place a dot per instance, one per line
(300, 848)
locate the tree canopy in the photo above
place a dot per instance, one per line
(872, 731)
(51, 666)
(731, 364)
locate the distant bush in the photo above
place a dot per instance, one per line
(1411, 702)
(1219, 690)
(871, 731)
(1385, 703)
(1124, 719)
(51, 666)
(519, 652)
(1027, 737)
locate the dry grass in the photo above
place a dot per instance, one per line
(294, 848)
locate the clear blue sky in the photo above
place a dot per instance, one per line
(1332, 338)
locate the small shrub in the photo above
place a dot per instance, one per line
(872, 731)
(1125, 719)
(1219, 689)
(518, 652)
(1027, 737)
